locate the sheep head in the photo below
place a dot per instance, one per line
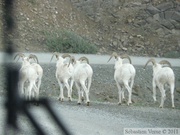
(34, 57)
(115, 55)
(150, 60)
(126, 56)
(165, 62)
(84, 58)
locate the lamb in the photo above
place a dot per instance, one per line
(123, 75)
(161, 76)
(82, 73)
(63, 75)
(27, 73)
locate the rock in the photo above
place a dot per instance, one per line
(165, 6)
(156, 17)
(114, 43)
(152, 10)
(167, 24)
(176, 16)
(168, 15)
(175, 23)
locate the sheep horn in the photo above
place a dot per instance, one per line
(56, 54)
(20, 55)
(33, 57)
(165, 62)
(114, 54)
(84, 58)
(126, 56)
(66, 55)
(150, 60)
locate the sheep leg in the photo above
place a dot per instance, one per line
(163, 95)
(68, 88)
(35, 93)
(120, 92)
(132, 82)
(39, 82)
(21, 88)
(88, 86)
(79, 93)
(172, 95)
(30, 89)
(61, 94)
(123, 97)
(82, 95)
(71, 85)
(129, 91)
(154, 90)
(86, 92)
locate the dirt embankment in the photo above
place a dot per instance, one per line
(136, 27)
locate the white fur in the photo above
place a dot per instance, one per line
(123, 75)
(161, 76)
(63, 75)
(27, 73)
(82, 72)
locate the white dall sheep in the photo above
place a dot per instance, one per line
(63, 75)
(161, 76)
(27, 73)
(82, 75)
(123, 75)
(39, 71)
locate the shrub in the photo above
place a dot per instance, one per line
(69, 42)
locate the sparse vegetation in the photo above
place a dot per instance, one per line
(172, 54)
(69, 42)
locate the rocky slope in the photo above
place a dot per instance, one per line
(136, 27)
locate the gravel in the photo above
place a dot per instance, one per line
(103, 116)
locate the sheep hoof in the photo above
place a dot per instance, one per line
(119, 103)
(129, 103)
(160, 106)
(88, 103)
(82, 99)
(70, 99)
(124, 100)
(79, 103)
(173, 107)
